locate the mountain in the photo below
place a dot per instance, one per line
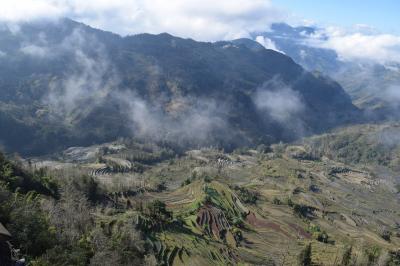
(146, 188)
(64, 83)
(372, 86)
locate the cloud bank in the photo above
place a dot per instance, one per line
(205, 20)
(361, 43)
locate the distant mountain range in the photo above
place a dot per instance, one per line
(64, 83)
(373, 87)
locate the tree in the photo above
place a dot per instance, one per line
(71, 215)
(347, 256)
(323, 237)
(30, 228)
(305, 256)
(158, 213)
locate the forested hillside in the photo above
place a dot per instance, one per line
(64, 84)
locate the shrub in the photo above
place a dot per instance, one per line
(238, 222)
(157, 211)
(323, 237)
(186, 182)
(161, 186)
(88, 186)
(314, 188)
(30, 228)
(297, 190)
(207, 179)
(276, 201)
(238, 236)
(394, 258)
(246, 195)
(303, 211)
(372, 254)
(386, 235)
(299, 154)
(312, 228)
(319, 235)
(290, 203)
(190, 179)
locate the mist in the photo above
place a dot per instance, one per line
(92, 81)
(389, 136)
(184, 121)
(373, 88)
(391, 94)
(96, 86)
(279, 102)
(87, 81)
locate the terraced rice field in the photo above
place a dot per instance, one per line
(220, 226)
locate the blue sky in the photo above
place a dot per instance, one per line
(225, 17)
(381, 14)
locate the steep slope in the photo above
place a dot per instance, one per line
(65, 83)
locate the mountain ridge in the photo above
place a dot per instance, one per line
(370, 84)
(69, 84)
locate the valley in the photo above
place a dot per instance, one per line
(251, 206)
(233, 138)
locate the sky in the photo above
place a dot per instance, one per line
(380, 14)
(174, 15)
(356, 29)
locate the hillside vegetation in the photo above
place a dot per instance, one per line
(284, 205)
(85, 86)
(365, 145)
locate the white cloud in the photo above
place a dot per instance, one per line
(392, 95)
(267, 43)
(281, 102)
(23, 10)
(361, 43)
(35, 50)
(202, 20)
(206, 20)
(89, 80)
(2, 54)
